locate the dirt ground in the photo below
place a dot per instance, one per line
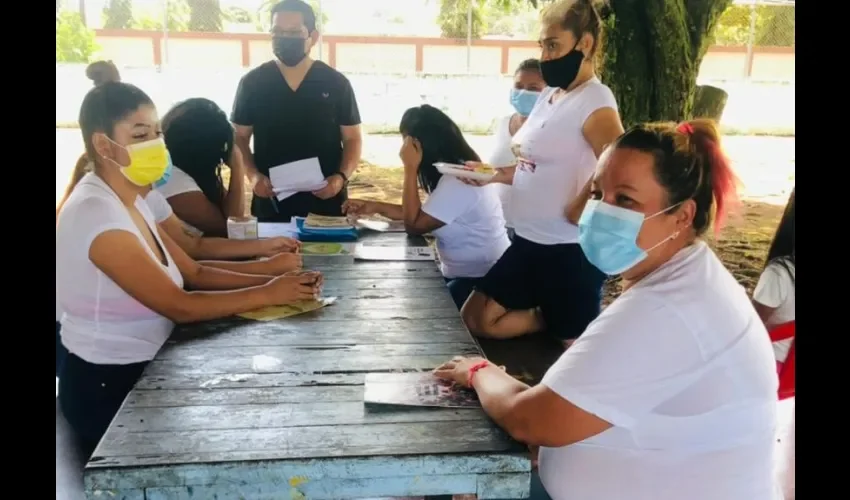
(742, 245)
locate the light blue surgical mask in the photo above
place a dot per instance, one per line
(608, 236)
(523, 100)
(165, 176)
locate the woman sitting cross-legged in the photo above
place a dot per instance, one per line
(670, 393)
(119, 279)
(466, 221)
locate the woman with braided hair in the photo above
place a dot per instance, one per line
(670, 393)
(200, 139)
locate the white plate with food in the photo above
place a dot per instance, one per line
(481, 173)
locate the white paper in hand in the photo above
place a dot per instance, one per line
(297, 176)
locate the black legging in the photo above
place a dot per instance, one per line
(90, 395)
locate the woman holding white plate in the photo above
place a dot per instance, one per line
(466, 220)
(543, 282)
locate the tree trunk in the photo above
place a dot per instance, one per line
(652, 53)
(709, 102)
(83, 12)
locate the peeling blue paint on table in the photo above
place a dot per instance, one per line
(206, 421)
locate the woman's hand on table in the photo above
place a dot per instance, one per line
(294, 287)
(355, 207)
(283, 263)
(273, 246)
(457, 369)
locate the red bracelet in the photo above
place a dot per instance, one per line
(474, 369)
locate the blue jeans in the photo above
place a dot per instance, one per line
(461, 289)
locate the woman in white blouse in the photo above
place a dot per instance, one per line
(543, 282)
(528, 83)
(466, 221)
(670, 394)
(119, 280)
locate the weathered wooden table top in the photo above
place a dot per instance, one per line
(207, 420)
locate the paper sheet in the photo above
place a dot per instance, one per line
(374, 252)
(297, 176)
(285, 311)
(317, 248)
(273, 229)
(381, 226)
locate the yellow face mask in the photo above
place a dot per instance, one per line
(148, 162)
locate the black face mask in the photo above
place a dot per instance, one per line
(290, 50)
(562, 72)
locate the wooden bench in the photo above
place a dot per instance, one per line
(205, 421)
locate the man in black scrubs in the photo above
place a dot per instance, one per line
(297, 108)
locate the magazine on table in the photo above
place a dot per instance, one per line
(416, 389)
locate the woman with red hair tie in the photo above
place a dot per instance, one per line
(670, 393)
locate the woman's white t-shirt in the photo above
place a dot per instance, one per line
(160, 209)
(180, 182)
(474, 235)
(559, 161)
(682, 367)
(502, 156)
(775, 289)
(101, 323)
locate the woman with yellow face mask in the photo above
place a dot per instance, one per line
(119, 280)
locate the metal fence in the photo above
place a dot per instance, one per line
(454, 54)
(750, 26)
(757, 24)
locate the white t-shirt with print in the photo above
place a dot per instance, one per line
(775, 289)
(561, 162)
(102, 323)
(180, 182)
(681, 366)
(502, 156)
(474, 235)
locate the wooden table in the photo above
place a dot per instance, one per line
(206, 421)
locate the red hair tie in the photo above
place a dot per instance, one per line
(685, 128)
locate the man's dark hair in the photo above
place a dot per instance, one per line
(299, 7)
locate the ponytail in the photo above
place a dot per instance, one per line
(82, 167)
(717, 176)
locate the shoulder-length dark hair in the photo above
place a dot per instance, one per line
(199, 138)
(782, 251)
(441, 140)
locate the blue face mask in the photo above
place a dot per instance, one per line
(608, 236)
(523, 100)
(167, 175)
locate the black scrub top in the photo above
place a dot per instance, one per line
(295, 125)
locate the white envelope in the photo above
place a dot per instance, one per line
(297, 176)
